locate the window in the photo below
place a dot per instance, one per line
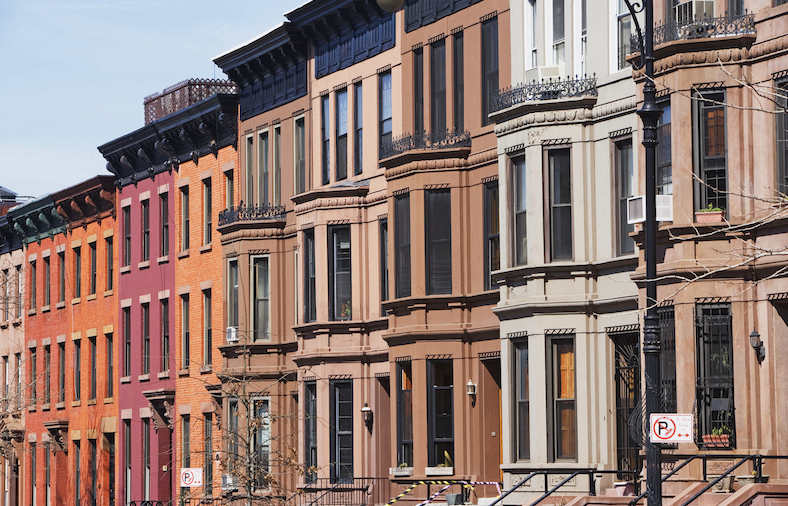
(186, 441)
(523, 405)
(341, 430)
(127, 458)
(625, 188)
(126, 236)
(33, 463)
(710, 151)
(232, 296)
(558, 33)
(77, 272)
(667, 358)
(109, 437)
(207, 338)
(126, 341)
(339, 268)
(261, 441)
(440, 413)
(6, 295)
(459, 82)
(93, 268)
(562, 398)
(207, 206)
(47, 474)
(19, 282)
(520, 210)
(714, 377)
(437, 214)
(735, 7)
(438, 86)
(185, 344)
(261, 319)
(145, 338)
(782, 139)
(384, 260)
(47, 274)
(61, 383)
(77, 474)
(404, 413)
(164, 225)
(358, 124)
(310, 430)
(325, 135)
(583, 38)
(145, 230)
(249, 170)
(229, 188)
(232, 425)
(489, 66)
(110, 391)
(418, 91)
(110, 263)
(185, 218)
(560, 204)
(93, 371)
(531, 23)
(384, 109)
(402, 244)
(62, 276)
(47, 373)
(624, 22)
(33, 376)
(33, 283)
(277, 165)
(262, 167)
(19, 374)
(146, 454)
(208, 453)
(341, 134)
(93, 472)
(492, 239)
(164, 305)
(628, 394)
(664, 157)
(77, 370)
(310, 274)
(300, 156)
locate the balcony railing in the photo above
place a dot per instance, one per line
(182, 95)
(425, 140)
(251, 213)
(699, 28)
(545, 90)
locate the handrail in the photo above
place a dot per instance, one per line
(575, 472)
(515, 487)
(571, 476)
(719, 478)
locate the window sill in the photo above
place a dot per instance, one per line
(76, 300)
(163, 375)
(4, 325)
(125, 269)
(60, 405)
(109, 400)
(45, 407)
(76, 404)
(206, 369)
(92, 296)
(91, 402)
(125, 379)
(163, 260)
(31, 409)
(206, 248)
(45, 309)
(183, 372)
(31, 312)
(183, 254)
(439, 471)
(60, 305)
(143, 265)
(109, 293)
(400, 471)
(17, 322)
(143, 377)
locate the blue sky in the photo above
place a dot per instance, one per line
(73, 74)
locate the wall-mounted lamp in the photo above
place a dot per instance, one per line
(366, 414)
(470, 388)
(390, 5)
(757, 345)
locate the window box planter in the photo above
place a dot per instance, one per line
(709, 216)
(624, 488)
(751, 478)
(439, 471)
(714, 441)
(401, 471)
(724, 486)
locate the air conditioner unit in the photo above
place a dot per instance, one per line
(694, 11)
(229, 483)
(636, 209)
(232, 335)
(543, 73)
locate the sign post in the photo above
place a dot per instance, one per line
(670, 428)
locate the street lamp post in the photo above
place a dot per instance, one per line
(649, 113)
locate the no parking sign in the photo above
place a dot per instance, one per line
(191, 477)
(671, 428)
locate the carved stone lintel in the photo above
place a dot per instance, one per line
(58, 432)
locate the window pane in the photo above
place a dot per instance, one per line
(520, 238)
(438, 85)
(402, 244)
(340, 274)
(561, 203)
(438, 241)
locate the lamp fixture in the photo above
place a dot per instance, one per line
(367, 415)
(757, 345)
(470, 388)
(390, 5)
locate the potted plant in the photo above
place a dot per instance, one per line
(710, 214)
(720, 437)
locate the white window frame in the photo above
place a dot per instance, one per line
(252, 295)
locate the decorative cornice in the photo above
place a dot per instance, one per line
(259, 233)
(333, 203)
(568, 116)
(86, 202)
(471, 162)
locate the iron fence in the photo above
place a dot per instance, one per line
(182, 95)
(242, 212)
(545, 90)
(425, 140)
(348, 492)
(699, 28)
(148, 502)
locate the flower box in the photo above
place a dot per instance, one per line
(439, 471)
(401, 471)
(724, 486)
(709, 216)
(714, 441)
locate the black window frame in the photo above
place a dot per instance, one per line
(145, 219)
(625, 188)
(383, 232)
(110, 374)
(664, 158)
(402, 240)
(405, 448)
(341, 429)
(77, 370)
(207, 211)
(93, 281)
(341, 133)
(385, 110)
(667, 359)
(418, 90)
(77, 272)
(520, 209)
(439, 442)
(325, 136)
(299, 138)
(47, 280)
(710, 169)
(492, 232)
(185, 332)
(438, 86)
(489, 66)
(126, 341)
(556, 453)
(93, 392)
(145, 327)
(781, 147)
(340, 310)
(164, 224)
(310, 431)
(310, 276)
(358, 128)
(437, 240)
(522, 449)
(564, 251)
(164, 311)
(109, 250)
(458, 58)
(62, 276)
(126, 236)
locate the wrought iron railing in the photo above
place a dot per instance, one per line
(242, 212)
(545, 90)
(148, 502)
(568, 476)
(347, 492)
(182, 95)
(699, 28)
(425, 140)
